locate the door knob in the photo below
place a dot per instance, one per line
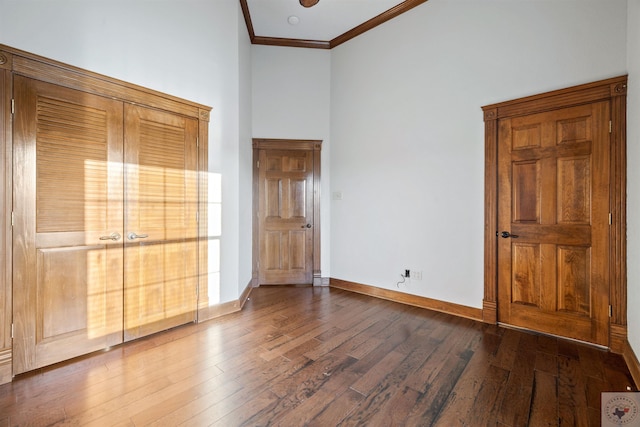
(115, 236)
(134, 236)
(306, 226)
(506, 235)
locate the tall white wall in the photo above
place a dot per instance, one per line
(194, 49)
(291, 100)
(245, 148)
(633, 175)
(407, 128)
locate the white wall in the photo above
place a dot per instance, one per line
(407, 128)
(633, 175)
(291, 99)
(245, 147)
(194, 49)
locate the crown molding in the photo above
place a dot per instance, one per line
(276, 41)
(322, 44)
(375, 21)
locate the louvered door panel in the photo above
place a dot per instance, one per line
(160, 266)
(72, 167)
(68, 193)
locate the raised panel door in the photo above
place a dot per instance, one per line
(553, 215)
(285, 215)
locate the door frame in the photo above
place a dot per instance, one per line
(287, 144)
(613, 90)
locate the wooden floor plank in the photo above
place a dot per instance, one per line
(516, 404)
(432, 400)
(324, 357)
(544, 402)
(335, 409)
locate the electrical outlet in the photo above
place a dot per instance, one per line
(416, 275)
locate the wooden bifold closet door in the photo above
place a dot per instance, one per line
(160, 275)
(105, 232)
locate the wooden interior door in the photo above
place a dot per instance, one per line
(161, 224)
(553, 222)
(285, 216)
(68, 211)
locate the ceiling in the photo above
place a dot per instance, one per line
(325, 25)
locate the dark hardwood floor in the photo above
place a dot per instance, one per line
(324, 357)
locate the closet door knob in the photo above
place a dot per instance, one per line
(113, 236)
(134, 236)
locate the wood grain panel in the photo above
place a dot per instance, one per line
(525, 287)
(273, 246)
(527, 136)
(296, 163)
(74, 294)
(574, 190)
(297, 250)
(526, 191)
(574, 130)
(297, 195)
(273, 189)
(574, 279)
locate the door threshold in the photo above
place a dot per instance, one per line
(532, 331)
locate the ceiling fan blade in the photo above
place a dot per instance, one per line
(308, 3)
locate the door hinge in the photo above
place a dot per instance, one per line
(610, 218)
(13, 218)
(610, 311)
(258, 164)
(13, 106)
(610, 126)
(12, 331)
(198, 142)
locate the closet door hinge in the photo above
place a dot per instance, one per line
(12, 336)
(12, 218)
(610, 311)
(610, 126)
(198, 142)
(13, 106)
(258, 164)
